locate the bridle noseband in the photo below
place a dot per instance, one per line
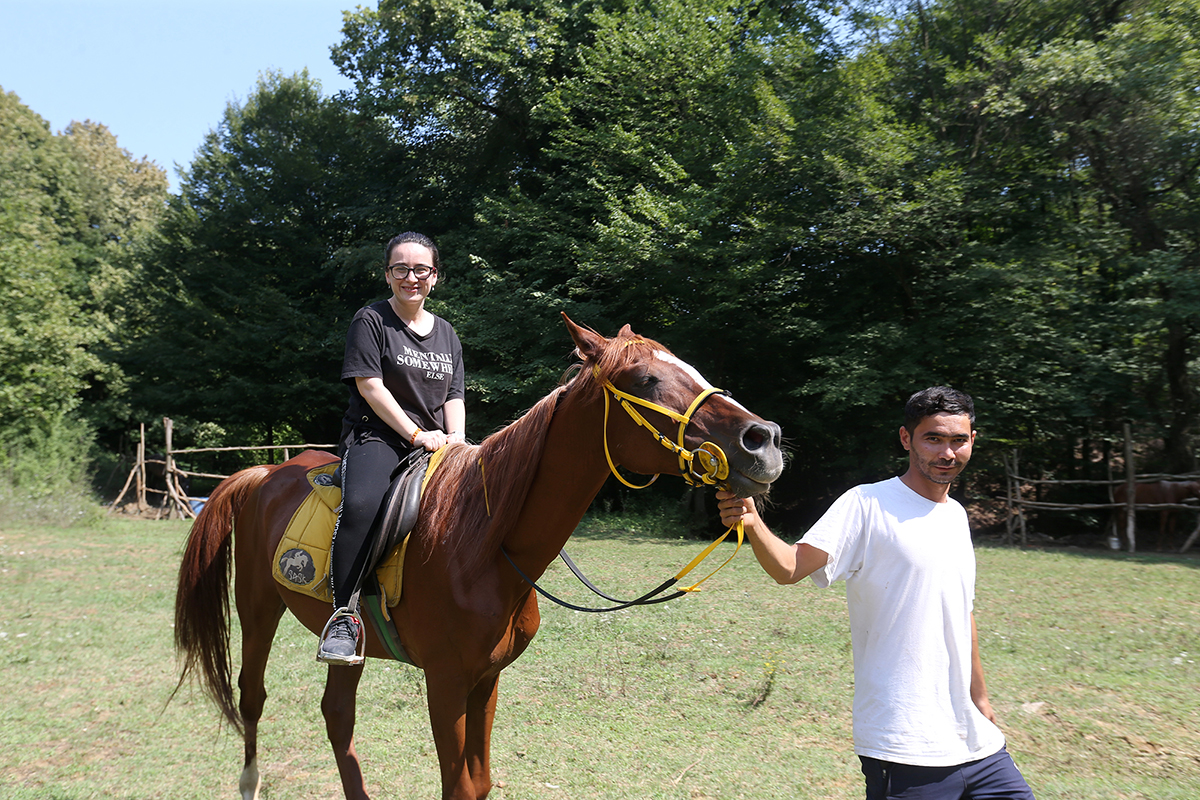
(705, 465)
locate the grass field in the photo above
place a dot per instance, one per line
(742, 691)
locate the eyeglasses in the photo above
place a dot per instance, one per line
(401, 271)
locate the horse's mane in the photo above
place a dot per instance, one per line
(475, 496)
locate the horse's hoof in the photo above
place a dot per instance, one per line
(250, 781)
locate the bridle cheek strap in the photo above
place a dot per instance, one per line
(604, 433)
(714, 467)
(708, 454)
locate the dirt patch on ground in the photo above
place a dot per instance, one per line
(131, 511)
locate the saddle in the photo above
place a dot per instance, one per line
(302, 558)
(399, 510)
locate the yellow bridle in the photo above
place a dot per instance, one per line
(714, 467)
(708, 455)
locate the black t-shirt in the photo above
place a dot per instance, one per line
(421, 372)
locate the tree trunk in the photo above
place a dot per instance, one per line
(1178, 437)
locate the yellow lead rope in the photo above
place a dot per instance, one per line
(741, 535)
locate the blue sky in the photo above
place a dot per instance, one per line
(159, 73)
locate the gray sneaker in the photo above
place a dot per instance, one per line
(340, 641)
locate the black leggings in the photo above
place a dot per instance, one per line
(367, 468)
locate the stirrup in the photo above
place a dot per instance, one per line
(360, 645)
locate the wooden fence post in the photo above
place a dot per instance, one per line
(168, 437)
(141, 470)
(1017, 493)
(179, 503)
(136, 472)
(1191, 539)
(1114, 536)
(1130, 491)
(1008, 501)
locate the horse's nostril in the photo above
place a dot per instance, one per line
(755, 437)
(761, 435)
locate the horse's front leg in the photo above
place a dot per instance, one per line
(481, 712)
(447, 691)
(338, 706)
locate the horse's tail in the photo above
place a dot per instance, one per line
(202, 596)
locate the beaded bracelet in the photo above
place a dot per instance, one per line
(413, 438)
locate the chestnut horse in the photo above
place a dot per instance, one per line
(1159, 492)
(465, 614)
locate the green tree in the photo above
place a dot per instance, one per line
(1006, 217)
(613, 160)
(73, 205)
(43, 349)
(115, 205)
(1081, 115)
(458, 82)
(271, 246)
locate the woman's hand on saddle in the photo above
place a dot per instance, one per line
(430, 440)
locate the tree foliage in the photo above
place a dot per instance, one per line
(823, 206)
(1069, 123)
(259, 265)
(72, 207)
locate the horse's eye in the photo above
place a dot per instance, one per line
(645, 382)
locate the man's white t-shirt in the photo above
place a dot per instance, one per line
(909, 569)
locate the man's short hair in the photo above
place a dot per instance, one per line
(937, 400)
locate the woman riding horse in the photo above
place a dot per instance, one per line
(404, 368)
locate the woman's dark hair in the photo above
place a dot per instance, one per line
(937, 400)
(415, 238)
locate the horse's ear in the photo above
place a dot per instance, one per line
(588, 342)
(626, 332)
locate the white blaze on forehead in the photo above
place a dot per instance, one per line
(693, 373)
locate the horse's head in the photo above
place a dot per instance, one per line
(664, 417)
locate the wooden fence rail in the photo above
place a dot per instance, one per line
(1017, 503)
(175, 503)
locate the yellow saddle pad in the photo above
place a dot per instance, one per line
(302, 558)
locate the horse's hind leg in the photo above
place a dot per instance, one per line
(338, 706)
(259, 617)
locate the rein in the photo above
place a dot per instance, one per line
(714, 468)
(649, 598)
